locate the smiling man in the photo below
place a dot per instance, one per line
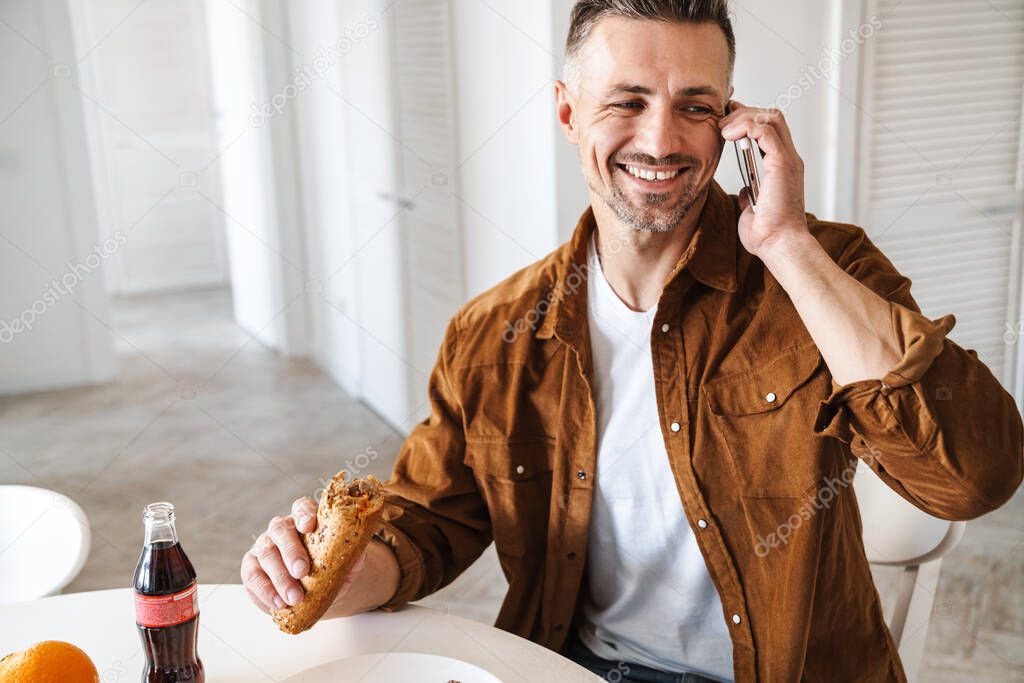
(658, 423)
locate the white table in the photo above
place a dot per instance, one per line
(237, 642)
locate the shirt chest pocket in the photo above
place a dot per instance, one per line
(765, 418)
(515, 479)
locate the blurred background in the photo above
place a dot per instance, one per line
(233, 232)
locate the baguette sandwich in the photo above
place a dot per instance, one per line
(346, 519)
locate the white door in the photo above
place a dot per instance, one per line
(940, 162)
(392, 263)
(372, 134)
(365, 287)
(150, 81)
(432, 235)
(345, 158)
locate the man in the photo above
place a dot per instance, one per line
(657, 424)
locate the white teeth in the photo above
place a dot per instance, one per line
(652, 175)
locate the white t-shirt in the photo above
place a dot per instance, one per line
(651, 600)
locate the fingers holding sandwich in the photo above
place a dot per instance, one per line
(271, 569)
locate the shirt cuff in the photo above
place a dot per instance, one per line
(410, 561)
(858, 406)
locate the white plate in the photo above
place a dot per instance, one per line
(388, 667)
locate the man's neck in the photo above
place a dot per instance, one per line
(635, 263)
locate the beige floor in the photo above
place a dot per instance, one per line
(204, 417)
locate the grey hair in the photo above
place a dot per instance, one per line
(587, 13)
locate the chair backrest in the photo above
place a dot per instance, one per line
(896, 532)
(44, 542)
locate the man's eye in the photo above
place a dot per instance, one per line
(696, 109)
(627, 105)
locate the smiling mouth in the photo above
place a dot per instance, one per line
(650, 175)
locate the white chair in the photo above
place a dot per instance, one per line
(898, 534)
(44, 541)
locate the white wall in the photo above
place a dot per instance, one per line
(570, 188)
(49, 216)
(323, 170)
(775, 41)
(258, 173)
(521, 187)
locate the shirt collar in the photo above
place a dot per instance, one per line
(710, 257)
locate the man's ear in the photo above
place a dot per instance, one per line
(565, 109)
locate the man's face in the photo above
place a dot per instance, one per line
(650, 96)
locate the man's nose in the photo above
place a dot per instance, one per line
(659, 132)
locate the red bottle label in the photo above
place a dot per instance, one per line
(155, 611)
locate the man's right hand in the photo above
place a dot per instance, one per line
(271, 569)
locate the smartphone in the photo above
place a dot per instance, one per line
(746, 158)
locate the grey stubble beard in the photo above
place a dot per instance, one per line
(646, 218)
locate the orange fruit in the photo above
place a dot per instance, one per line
(51, 661)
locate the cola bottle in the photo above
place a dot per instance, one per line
(166, 602)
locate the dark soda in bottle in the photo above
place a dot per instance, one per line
(167, 602)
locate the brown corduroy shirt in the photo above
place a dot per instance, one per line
(762, 442)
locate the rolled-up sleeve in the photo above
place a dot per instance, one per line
(938, 428)
(435, 520)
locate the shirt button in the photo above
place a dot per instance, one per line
(571, 555)
(674, 427)
(736, 619)
(665, 328)
(770, 397)
(520, 469)
(702, 523)
(558, 627)
(581, 475)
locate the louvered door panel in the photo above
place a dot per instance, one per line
(427, 146)
(940, 157)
